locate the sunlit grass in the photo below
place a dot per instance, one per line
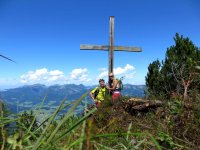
(104, 128)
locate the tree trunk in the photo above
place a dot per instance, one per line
(136, 104)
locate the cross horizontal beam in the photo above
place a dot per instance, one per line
(106, 48)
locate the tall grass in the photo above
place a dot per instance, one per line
(48, 133)
(69, 132)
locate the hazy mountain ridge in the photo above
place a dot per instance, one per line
(28, 96)
(134, 90)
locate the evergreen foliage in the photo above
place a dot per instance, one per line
(178, 74)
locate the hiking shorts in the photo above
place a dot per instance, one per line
(116, 95)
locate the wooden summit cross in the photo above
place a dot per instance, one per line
(110, 48)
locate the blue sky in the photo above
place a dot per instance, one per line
(43, 37)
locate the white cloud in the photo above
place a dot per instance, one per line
(103, 74)
(127, 68)
(55, 73)
(76, 76)
(79, 75)
(42, 76)
(128, 71)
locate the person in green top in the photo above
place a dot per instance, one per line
(99, 93)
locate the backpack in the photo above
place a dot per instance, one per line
(97, 92)
(120, 85)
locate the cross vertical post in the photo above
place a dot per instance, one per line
(111, 45)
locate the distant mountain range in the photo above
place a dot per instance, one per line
(26, 97)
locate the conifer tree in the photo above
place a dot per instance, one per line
(178, 73)
(153, 78)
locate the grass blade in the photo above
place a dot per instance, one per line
(40, 139)
(68, 114)
(74, 126)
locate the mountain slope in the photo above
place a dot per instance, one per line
(26, 97)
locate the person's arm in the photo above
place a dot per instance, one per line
(91, 95)
(107, 87)
(114, 86)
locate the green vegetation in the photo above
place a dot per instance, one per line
(178, 75)
(174, 126)
(25, 132)
(176, 81)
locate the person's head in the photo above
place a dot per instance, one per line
(111, 76)
(102, 82)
